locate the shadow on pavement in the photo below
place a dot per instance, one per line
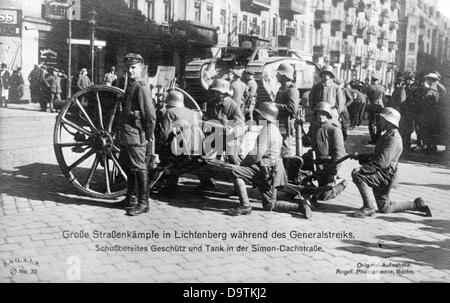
(43, 182)
(437, 186)
(422, 253)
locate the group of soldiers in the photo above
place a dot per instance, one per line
(272, 165)
(423, 104)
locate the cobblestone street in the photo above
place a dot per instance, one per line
(39, 207)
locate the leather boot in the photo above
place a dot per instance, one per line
(420, 205)
(130, 200)
(303, 206)
(142, 185)
(244, 207)
(368, 208)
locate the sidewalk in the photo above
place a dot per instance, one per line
(49, 233)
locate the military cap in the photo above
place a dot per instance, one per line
(237, 72)
(375, 76)
(433, 76)
(132, 58)
(84, 69)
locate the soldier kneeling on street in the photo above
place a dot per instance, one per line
(379, 170)
(263, 167)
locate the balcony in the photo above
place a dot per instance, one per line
(319, 51)
(382, 42)
(289, 8)
(321, 16)
(350, 3)
(198, 32)
(291, 42)
(350, 30)
(337, 26)
(255, 6)
(394, 25)
(395, 4)
(393, 46)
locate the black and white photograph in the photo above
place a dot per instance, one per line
(204, 142)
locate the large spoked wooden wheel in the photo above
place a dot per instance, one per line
(86, 142)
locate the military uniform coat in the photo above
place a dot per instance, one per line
(330, 93)
(239, 90)
(186, 121)
(287, 102)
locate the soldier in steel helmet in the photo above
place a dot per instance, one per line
(224, 110)
(263, 167)
(287, 101)
(379, 170)
(328, 91)
(137, 126)
(328, 143)
(180, 136)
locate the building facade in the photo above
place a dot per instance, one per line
(357, 37)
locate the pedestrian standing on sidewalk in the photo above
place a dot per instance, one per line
(17, 85)
(5, 84)
(83, 79)
(44, 91)
(54, 85)
(378, 171)
(33, 78)
(137, 128)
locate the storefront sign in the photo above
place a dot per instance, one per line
(10, 22)
(48, 57)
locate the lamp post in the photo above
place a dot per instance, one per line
(92, 21)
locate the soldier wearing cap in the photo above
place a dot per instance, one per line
(358, 106)
(328, 91)
(328, 143)
(136, 133)
(431, 109)
(250, 94)
(239, 88)
(408, 110)
(5, 84)
(287, 101)
(179, 135)
(375, 95)
(379, 169)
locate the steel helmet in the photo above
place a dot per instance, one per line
(327, 69)
(268, 111)
(221, 85)
(175, 99)
(391, 115)
(286, 70)
(432, 76)
(323, 107)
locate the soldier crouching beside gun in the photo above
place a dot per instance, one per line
(263, 167)
(179, 141)
(327, 142)
(137, 126)
(379, 170)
